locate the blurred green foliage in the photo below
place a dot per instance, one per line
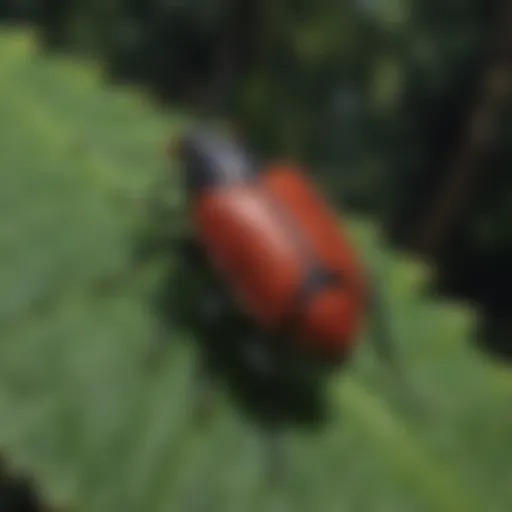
(79, 413)
(358, 88)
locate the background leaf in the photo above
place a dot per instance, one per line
(79, 413)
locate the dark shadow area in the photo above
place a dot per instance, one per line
(18, 493)
(484, 278)
(473, 264)
(18, 11)
(473, 261)
(495, 335)
(444, 116)
(179, 52)
(289, 393)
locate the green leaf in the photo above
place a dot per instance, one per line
(81, 415)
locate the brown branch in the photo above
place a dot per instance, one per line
(467, 160)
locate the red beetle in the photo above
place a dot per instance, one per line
(276, 244)
(279, 249)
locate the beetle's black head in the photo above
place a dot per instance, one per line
(211, 159)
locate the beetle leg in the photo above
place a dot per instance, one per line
(258, 357)
(264, 364)
(211, 313)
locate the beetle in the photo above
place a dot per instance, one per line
(280, 293)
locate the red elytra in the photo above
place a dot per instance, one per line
(250, 233)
